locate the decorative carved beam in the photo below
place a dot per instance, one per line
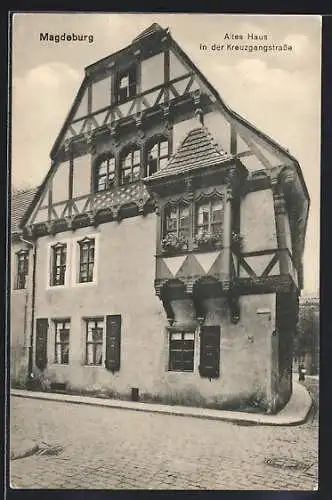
(200, 311)
(67, 145)
(197, 97)
(168, 309)
(234, 305)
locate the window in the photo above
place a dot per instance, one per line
(62, 331)
(105, 174)
(126, 85)
(130, 166)
(157, 157)
(87, 259)
(22, 269)
(181, 351)
(209, 217)
(59, 257)
(177, 221)
(94, 341)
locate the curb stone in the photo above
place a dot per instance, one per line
(294, 413)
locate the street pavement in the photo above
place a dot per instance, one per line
(88, 447)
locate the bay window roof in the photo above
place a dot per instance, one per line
(197, 150)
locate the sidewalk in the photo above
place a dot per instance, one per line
(294, 413)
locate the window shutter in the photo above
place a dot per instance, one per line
(210, 351)
(41, 343)
(113, 342)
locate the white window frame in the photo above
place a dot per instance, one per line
(75, 260)
(56, 321)
(85, 319)
(49, 266)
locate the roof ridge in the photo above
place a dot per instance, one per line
(153, 28)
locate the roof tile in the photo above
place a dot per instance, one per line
(19, 205)
(154, 28)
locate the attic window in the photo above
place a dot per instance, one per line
(126, 84)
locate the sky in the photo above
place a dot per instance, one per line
(278, 92)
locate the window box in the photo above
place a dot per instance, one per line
(173, 244)
(208, 241)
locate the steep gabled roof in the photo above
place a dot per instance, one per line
(197, 150)
(20, 202)
(154, 28)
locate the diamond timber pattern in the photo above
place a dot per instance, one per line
(185, 266)
(133, 193)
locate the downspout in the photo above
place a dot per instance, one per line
(33, 282)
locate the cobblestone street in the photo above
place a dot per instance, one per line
(104, 448)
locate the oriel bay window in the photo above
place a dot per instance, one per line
(105, 174)
(94, 341)
(59, 258)
(87, 260)
(157, 156)
(209, 221)
(62, 332)
(181, 351)
(131, 166)
(176, 227)
(22, 268)
(177, 220)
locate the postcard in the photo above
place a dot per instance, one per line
(164, 251)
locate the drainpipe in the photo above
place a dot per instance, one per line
(33, 283)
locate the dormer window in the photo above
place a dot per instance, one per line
(105, 174)
(131, 166)
(126, 85)
(157, 156)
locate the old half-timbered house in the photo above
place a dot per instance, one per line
(169, 237)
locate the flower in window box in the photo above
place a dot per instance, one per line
(208, 239)
(173, 242)
(237, 241)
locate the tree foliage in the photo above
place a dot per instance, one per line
(307, 335)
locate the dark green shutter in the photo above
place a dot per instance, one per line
(41, 343)
(209, 351)
(113, 342)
